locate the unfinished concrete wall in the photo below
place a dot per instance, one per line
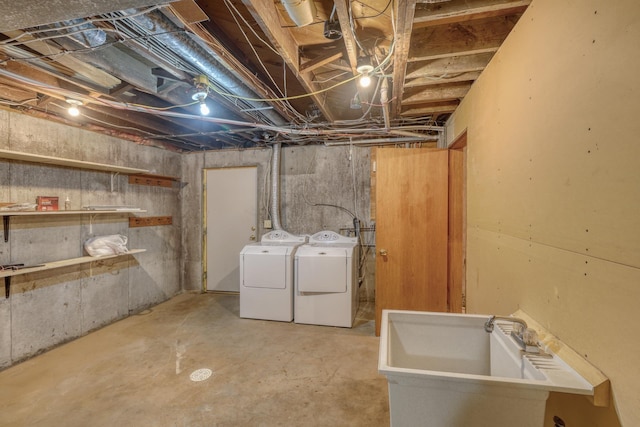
(309, 175)
(54, 306)
(553, 192)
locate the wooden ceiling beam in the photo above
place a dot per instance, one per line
(455, 12)
(78, 66)
(449, 66)
(340, 67)
(438, 94)
(404, 25)
(320, 61)
(9, 92)
(430, 81)
(347, 35)
(448, 107)
(482, 36)
(267, 17)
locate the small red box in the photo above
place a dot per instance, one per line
(47, 203)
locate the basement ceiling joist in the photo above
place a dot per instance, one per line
(271, 80)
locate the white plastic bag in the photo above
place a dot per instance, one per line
(106, 245)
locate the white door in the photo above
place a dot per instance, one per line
(232, 212)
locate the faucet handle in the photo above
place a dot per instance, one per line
(530, 337)
(519, 329)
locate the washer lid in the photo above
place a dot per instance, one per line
(266, 267)
(321, 269)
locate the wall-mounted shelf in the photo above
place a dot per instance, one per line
(8, 274)
(6, 215)
(153, 180)
(58, 161)
(150, 221)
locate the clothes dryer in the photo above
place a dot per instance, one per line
(266, 276)
(326, 285)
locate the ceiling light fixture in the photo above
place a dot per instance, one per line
(73, 110)
(204, 109)
(202, 90)
(365, 80)
(364, 67)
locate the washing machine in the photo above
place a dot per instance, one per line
(266, 276)
(326, 282)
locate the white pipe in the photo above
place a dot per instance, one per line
(301, 12)
(275, 187)
(384, 100)
(381, 141)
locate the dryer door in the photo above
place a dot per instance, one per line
(265, 266)
(322, 270)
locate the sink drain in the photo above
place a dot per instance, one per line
(200, 374)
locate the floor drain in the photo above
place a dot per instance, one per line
(200, 374)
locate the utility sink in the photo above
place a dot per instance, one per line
(445, 370)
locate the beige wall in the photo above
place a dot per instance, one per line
(553, 189)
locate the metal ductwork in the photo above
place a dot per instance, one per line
(275, 188)
(176, 39)
(85, 33)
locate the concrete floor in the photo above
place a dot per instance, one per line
(136, 372)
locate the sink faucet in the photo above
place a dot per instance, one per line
(526, 337)
(488, 326)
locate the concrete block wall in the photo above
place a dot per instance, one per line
(50, 307)
(309, 175)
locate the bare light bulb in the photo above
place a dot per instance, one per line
(204, 110)
(73, 107)
(365, 80)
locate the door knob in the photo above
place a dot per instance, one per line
(383, 252)
(253, 237)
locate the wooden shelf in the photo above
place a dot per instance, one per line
(6, 215)
(153, 180)
(58, 161)
(78, 212)
(8, 274)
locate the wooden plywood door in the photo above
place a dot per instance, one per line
(411, 230)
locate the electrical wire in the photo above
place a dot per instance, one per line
(268, 45)
(283, 93)
(8, 42)
(373, 16)
(16, 103)
(317, 92)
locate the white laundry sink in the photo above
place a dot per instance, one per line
(445, 370)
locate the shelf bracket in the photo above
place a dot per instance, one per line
(113, 176)
(5, 224)
(7, 286)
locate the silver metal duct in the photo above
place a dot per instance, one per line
(85, 33)
(275, 188)
(179, 41)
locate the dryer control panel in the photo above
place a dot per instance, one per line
(328, 236)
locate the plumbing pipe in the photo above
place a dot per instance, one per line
(380, 141)
(384, 100)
